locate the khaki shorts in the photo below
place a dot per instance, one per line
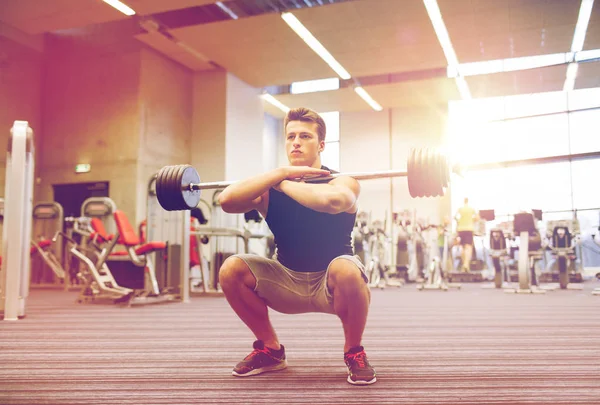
(293, 292)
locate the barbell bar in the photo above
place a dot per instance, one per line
(428, 172)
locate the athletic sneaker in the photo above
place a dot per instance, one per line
(262, 359)
(360, 371)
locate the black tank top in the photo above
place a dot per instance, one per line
(307, 240)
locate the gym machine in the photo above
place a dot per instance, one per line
(563, 244)
(48, 218)
(530, 252)
(436, 269)
(16, 235)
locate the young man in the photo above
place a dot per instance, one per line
(465, 219)
(315, 269)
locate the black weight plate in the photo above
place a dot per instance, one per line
(181, 202)
(419, 183)
(410, 172)
(172, 198)
(422, 175)
(426, 161)
(190, 197)
(432, 175)
(160, 186)
(442, 175)
(175, 189)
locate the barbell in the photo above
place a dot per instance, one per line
(428, 172)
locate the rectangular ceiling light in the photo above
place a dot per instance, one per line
(369, 100)
(509, 64)
(463, 88)
(272, 100)
(587, 55)
(435, 15)
(314, 44)
(585, 11)
(571, 76)
(311, 86)
(123, 8)
(227, 10)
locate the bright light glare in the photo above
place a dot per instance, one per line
(272, 100)
(310, 86)
(369, 100)
(314, 44)
(123, 8)
(585, 11)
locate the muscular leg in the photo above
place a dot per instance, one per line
(238, 283)
(351, 299)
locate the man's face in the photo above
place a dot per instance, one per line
(302, 143)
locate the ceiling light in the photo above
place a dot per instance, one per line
(435, 15)
(509, 64)
(585, 10)
(227, 10)
(587, 55)
(120, 6)
(272, 100)
(463, 87)
(571, 76)
(311, 86)
(314, 44)
(433, 10)
(365, 96)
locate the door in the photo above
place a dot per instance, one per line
(72, 196)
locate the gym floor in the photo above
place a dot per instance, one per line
(472, 345)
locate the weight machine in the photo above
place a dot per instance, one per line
(16, 235)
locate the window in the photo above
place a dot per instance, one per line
(584, 131)
(523, 127)
(330, 157)
(585, 188)
(509, 190)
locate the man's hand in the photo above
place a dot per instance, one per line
(299, 173)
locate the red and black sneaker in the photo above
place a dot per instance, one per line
(360, 371)
(262, 359)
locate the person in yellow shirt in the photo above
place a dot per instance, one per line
(465, 225)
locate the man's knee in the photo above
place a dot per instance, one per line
(234, 273)
(345, 274)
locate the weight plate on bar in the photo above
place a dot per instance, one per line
(410, 172)
(191, 198)
(160, 186)
(174, 194)
(178, 199)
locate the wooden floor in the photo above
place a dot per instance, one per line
(469, 346)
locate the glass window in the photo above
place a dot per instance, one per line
(589, 222)
(584, 98)
(509, 190)
(586, 193)
(537, 137)
(332, 123)
(330, 156)
(534, 104)
(584, 131)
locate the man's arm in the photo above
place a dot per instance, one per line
(247, 195)
(339, 195)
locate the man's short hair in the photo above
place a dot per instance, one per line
(306, 115)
